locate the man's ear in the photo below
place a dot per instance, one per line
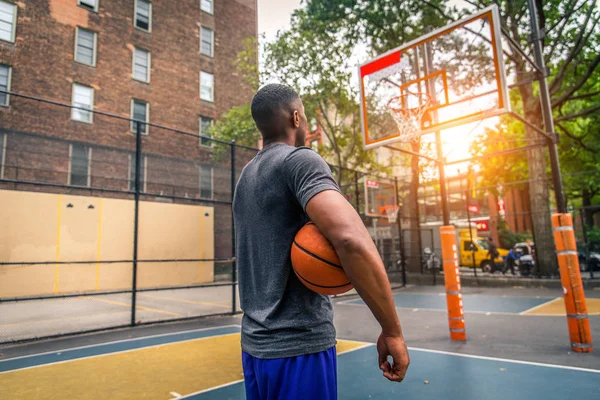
(296, 119)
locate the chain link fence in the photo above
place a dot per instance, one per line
(111, 222)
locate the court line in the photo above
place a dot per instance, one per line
(187, 396)
(129, 306)
(540, 306)
(185, 300)
(556, 366)
(115, 352)
(123, 341)
(365, 345)
(448, 353)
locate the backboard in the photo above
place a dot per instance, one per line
(379, 197)
(446, 78)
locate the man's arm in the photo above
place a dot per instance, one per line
(342, 226)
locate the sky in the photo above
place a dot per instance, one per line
(274, 15)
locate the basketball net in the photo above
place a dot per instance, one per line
(409, 118)
(391, 213)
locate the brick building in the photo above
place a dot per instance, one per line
(166, 62)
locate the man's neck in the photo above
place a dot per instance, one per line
(269, 143)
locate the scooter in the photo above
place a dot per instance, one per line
(430, 259)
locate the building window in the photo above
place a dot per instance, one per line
(140, 111)
(143, 15)
(205, 125)
(5, 72)
(83, 97)
(206, 182)
(91, 5)
(8, 21)
(207, 40)
(85, 47)
(141, 65)
(3, 139)
(143, 173)
(80, 164)
(207, 86)
(206, 6)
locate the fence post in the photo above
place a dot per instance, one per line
(585, 241)
(234, 263)
(356, 192)
(138, 156)
(570, 277)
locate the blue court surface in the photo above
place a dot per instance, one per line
(205, 364)
(437, 375)
(472, 302)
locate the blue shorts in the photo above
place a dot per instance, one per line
(311, 376)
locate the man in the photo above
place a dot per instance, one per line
(492, 249)
(510, 260)
(288, 337)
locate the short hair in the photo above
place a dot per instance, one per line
(266, 104)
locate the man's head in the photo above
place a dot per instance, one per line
(279, 114)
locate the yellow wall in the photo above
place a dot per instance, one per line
(50, 227)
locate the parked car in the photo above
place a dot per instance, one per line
(588, 261)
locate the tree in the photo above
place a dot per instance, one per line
(572, 37)
(318, 65)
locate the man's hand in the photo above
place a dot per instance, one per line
(393, 346)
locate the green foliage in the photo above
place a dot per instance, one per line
(317, 64)
(509, 238)
(237, 124)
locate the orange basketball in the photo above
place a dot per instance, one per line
(316, 263)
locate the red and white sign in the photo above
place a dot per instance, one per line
(501, 208)
(474, 208)
(372, 184)
(482, 226)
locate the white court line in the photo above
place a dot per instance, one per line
(448, 353)
(595, 371)
(212, 388)
(121, 341)
(364, 345)
(117, 352)
(540, 306)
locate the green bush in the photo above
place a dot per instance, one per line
(509, 238)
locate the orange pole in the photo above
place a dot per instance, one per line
(456, 316)
(570, 277)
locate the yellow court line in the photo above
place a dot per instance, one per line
(204, 303)
(99, 240)
(57, 244)
(129, 305)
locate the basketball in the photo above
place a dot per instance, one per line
(316, 263)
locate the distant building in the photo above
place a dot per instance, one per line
(163, 61)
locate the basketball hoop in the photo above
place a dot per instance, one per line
(391, 212)
(409, 118)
